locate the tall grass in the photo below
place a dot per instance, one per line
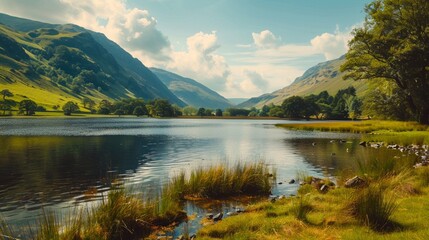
(221, 181)
(373, 207)
(378, 167)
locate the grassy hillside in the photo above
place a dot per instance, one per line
(192, 92)
(52, 64)
(324, 76)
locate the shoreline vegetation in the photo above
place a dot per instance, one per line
(124, 214)
(384, 199)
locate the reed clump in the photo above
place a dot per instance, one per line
(373, 207)
(251, 179)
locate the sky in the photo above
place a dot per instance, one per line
(239, 48)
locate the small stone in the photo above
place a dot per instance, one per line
(324, 188)
(209, 215)
(354, 182)
(280, 183)
(314, 144)
(363, 143)
(181, 237)
(218, 217)
(292, 181)
(193, 237)
(231, 213)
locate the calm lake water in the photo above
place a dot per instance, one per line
(52, 163)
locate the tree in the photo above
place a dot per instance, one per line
(393, 44)
(6, 93)
(119, 112)
(201, 112)
(27, 107)
(139, 111)
(104, 107)
(189, 111)
(293, 107)
(88, 103)
(70, 107)
(219, 113)
(4, 106)
(163, 108)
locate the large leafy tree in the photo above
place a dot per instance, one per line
(27, 107)
(70, 107)
(393, 45)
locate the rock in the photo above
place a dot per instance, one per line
(280, 183)
(231, 213)
(343, 141)
(239, 210)
(355, 182)
(333, 154)
(209, 215)
(332, 141)
(292, 181)
(375, 145)
(193, 237)
(363, 143)
(324, 188)
(181, 237)
(218, 217)
(393, 146)
(314, 144)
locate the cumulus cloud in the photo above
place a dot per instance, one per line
(200, 61)
(133, 29)
(332, 45)
(266, 39)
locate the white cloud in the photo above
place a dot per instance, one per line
(200, 61)
(332, 45)
(133, 29)
(266, 39)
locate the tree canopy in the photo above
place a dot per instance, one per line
(393, 45)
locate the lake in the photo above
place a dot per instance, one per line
(57, 163)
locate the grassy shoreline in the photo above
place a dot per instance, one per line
(391, 204)
(389, 132)
(126, 215)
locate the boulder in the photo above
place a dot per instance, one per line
(355, 182)
(193, 237)
(363, 143)
(209, 215)
(292, 181)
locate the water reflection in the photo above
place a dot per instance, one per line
(63, 162)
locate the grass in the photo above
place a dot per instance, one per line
(390, 132)
(124, 215)
(221, 181)
(373, 207)
(378, 214)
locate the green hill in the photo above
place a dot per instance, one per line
(191, 92)
(53, 64)
(323, 76)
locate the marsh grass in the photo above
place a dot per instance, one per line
(251, 179)
(382, 165)
(373, 207)
(390, 132)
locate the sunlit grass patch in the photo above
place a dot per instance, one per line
(254, 179)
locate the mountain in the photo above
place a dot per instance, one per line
(52, 64)
(323, 76)
(190, 91)
(237, 101)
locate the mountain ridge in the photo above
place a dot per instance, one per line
(191, 91)
(126, 75)
(323, 76)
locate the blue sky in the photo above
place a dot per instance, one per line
(240, 48)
